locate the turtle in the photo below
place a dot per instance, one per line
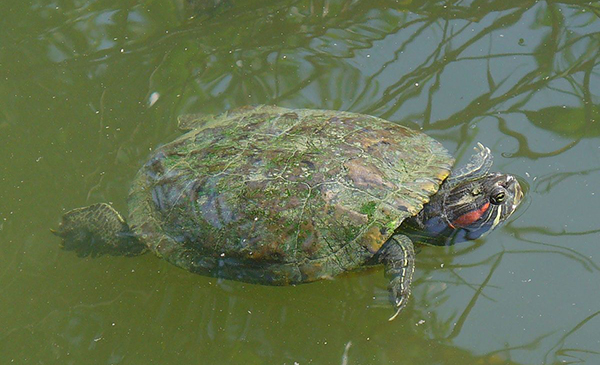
(277, 196)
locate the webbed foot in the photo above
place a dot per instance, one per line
(96, 230)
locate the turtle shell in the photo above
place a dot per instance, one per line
(279, 196)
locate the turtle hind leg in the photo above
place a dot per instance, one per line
(97, 230)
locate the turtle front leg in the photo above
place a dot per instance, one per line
(398, 257)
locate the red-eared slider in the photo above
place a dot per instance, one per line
(279, 196)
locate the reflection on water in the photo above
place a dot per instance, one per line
(89, 87)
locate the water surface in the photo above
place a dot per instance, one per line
(89, 88)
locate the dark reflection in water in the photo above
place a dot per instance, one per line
(88, 87)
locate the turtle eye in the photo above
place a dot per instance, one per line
(497, 198)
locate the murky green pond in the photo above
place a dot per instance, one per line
(89, 88)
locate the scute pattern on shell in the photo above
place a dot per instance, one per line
(275, 195)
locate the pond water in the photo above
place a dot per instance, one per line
(89, 88)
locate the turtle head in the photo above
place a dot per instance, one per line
(475, 207)
(470, 203)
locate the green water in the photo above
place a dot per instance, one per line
(89, 88)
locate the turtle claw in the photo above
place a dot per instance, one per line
(478, 166)
(484, 151)
(400, 304)
(394, 315)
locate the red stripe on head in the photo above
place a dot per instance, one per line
(471, 217)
